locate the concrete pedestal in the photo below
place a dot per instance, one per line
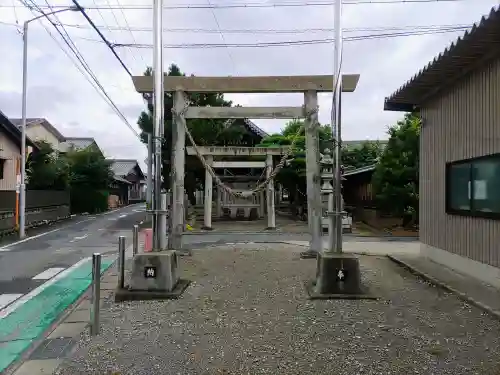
(154, 276)
(337, 277)
(308, 254)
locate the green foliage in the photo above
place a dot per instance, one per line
(84, 172)
(395, 180)
(361, 156)
(44, 170)
(89, 179)
(293, 175)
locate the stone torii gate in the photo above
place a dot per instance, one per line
(309, 86)
(208, 152)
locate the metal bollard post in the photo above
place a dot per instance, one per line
(96, 293)
(135, 240)
(121, 262)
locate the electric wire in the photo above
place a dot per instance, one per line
(130, 30)
(262, 5)
(103, 38)
(222, 37)
(83, 64)
(291, 43)
(272, 31)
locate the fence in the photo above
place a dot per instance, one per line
(41, 206)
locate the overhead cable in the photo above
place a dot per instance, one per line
(95, 82)
(261, 4)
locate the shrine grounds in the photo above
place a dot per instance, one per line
(247, 312)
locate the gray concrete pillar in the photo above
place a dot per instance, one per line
(261, 202)
(218, 203)
(175, 242)
(271, 214)
(207, 221)
(313, 172)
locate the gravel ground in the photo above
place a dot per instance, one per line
(247, 313)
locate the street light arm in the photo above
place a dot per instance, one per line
(22, 184)
(73, 9)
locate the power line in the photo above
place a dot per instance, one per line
(289, 43)
(259, 5)
(95, 82)
(267, 31)
(222, 37)
(417, 30)
(89, 20)
(131, 33)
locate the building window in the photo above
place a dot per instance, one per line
(2, 167)
(473, 187)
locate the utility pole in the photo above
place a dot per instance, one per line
(158, 126)
(335, 202)
(149, 182)
(22, 184)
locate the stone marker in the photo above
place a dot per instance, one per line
(154, 276)
(337, 277)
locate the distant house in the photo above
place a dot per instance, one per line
(457, 97)
(40, 129)
(79, 143)
(10, 153)
(359, 198)
(357, 187)
(128, 173)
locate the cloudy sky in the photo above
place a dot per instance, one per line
(59, 92)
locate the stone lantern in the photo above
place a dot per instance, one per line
(327, 191)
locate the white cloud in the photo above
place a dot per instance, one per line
(59, 92)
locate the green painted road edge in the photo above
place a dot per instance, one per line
(20, 329)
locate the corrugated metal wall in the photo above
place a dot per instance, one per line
(464, 122)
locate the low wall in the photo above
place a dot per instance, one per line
(374, 218)
(42, 206)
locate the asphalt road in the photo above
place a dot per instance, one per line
(61, 246)
(28, 263)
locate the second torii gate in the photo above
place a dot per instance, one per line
(209, 152)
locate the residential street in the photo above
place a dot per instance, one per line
(26, 264)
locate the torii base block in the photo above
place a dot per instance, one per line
(154, 276)
(337, 277)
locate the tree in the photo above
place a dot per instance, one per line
(293, 175)
(395, 180)
(44, 170)
(204, 131)
(361, 156)
(89, 179)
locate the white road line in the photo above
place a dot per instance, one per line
(21, 301)
(122, 216)
(6, 299)
(8, 247)
(48, 273)
(79, 238)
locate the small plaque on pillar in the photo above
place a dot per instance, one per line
(341, 275)
(150, 272)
